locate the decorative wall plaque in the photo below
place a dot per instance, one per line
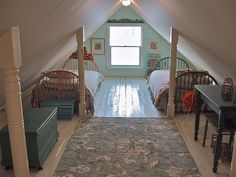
(227, 89)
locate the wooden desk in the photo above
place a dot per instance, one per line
(212, 96)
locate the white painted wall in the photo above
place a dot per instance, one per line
(47, 30)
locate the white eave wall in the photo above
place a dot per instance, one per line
(47, 30)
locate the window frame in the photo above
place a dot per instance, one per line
(110, 47)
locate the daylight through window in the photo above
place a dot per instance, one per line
(125, 43)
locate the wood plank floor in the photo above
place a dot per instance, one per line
(124, 97)
(203, 156)
(129, 97)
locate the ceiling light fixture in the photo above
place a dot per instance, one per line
(126, 2)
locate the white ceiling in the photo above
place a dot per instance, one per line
(47, 30)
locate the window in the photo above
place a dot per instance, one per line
(125, 43)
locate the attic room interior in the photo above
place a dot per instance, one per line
(119, 88)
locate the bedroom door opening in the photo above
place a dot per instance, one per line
(124, 97)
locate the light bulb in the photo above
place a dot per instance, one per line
(126, 2)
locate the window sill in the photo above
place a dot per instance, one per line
(125, 67)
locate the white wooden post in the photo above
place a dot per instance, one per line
(10, 61)
(171, 104)
(233, 162)
(80, 50)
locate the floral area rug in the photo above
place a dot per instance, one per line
(127, 147)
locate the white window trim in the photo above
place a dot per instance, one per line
(109, 48)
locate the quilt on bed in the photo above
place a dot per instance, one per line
(158, 84)
(93, 80)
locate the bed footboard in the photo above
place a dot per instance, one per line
(59, 84)
(185, 82)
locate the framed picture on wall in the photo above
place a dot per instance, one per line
(98, 46)
(153, 46)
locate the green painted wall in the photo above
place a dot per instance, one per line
(148, 34)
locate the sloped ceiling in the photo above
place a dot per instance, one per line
(47, 30)
(207, 30)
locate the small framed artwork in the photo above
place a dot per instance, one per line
(153, 46)
(98, 46)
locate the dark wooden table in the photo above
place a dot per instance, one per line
(225, 109)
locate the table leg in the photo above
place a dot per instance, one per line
(197, 116)
(218, 141)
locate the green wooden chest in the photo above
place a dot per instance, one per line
(41, 134)
(65, 107)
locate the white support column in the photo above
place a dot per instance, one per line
(171, 104)
(10, 61)
(233, 162)
(80, 50)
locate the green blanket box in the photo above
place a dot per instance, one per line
(41, 134)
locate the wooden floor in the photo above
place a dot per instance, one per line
(203, 156)
(124, 97)
(129, 97)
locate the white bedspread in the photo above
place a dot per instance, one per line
(158, 81)
(93, 80)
